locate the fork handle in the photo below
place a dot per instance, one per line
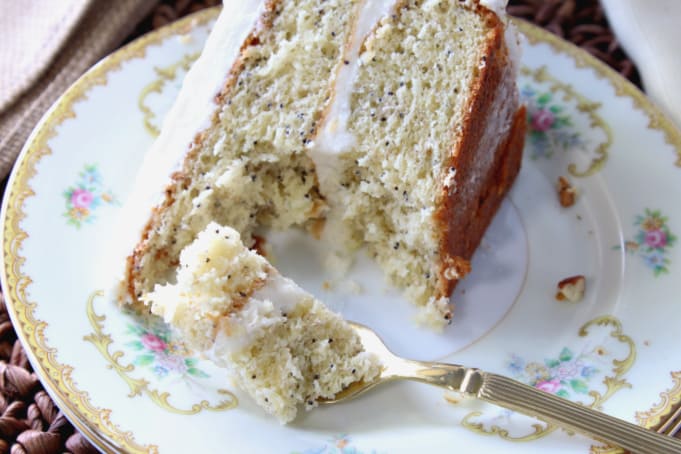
(530, 401)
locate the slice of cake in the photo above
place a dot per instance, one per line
(285, 348)
(389, 124)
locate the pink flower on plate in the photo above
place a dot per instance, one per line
(173, 363)
(550, 386)
(542, 120)
(656, 238)
(567, 370)
(154, 343)
(81, 198)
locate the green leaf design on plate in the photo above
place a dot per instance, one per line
(144, 360)
(551, 363)
(194, 372)
(579, 386)
(562, 393)
(135, 345)
(544, 99)
(565, 354)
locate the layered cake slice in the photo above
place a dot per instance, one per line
(285, 348)
(389, 124)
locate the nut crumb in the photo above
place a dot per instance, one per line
(567, 194)
(571, 289)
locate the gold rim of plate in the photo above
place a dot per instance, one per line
(95, 422)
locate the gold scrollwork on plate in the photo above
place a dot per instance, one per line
(138, 386)
(165, 75)
(583, 105)
(623, 88)
(95, 422)
(613, 382)
(670, 401)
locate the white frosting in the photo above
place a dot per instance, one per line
(191, 113)
(334, 137)
(264, 308)
(512, 37)
(498, 6)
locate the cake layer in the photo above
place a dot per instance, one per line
(248, 167)
(395, 124)
(284, 347)
(426, 154)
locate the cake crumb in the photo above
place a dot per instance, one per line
(185, 38)
(567, 194)
(457, 268)
(351, 287)
(571, 289)
(327, 286)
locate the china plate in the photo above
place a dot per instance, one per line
(128, 385)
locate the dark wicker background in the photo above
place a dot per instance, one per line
(31, 423)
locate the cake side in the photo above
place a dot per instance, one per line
(485, 159)
(421, 88)
(248, 168)
(284, 347)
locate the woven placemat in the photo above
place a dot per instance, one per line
(29, 420)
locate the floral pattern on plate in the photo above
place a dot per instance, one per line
(151, 356)
(563, 124)
(550, 127)
(565, 375)
(85, 196)
(590, 377)
(652, 241)
(153, 347)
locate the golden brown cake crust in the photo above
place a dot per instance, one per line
(464, 214)
(179, 180)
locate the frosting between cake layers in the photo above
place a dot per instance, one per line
(265, 307)
(334, 137)
(226, 291)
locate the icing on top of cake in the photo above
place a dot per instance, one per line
(191, 113)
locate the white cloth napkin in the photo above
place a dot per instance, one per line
(650, 32)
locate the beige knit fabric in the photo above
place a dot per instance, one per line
(31, 32)
(102, 26)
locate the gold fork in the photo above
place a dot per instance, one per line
(511, 394)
